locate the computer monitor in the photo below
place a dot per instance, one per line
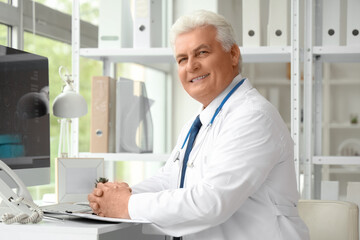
(24, 116)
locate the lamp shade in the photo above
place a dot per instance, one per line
(69, 104)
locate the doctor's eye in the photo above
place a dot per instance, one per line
(202, 53)
(181, 60)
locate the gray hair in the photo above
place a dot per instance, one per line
(225, 33)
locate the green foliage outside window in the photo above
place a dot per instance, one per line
(3, 34)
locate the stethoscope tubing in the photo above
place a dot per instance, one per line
(217, 110)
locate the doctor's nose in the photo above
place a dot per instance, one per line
(192, 65)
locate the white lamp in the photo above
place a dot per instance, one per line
(69, 104)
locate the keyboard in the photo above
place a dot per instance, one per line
(67, 208)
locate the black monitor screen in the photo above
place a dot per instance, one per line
(24, 109)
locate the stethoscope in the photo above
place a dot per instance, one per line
(217, 111)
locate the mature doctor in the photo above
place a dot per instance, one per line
(238, 180)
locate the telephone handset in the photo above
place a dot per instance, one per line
(20, 206)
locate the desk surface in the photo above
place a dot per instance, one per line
(70, 228)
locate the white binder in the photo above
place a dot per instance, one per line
(115, 24)
(331, 23)
(353, 23)
(251, 23)
(147, 23)
(278, 23)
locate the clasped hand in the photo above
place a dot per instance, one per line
(110, 199)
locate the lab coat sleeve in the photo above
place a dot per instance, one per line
(246, 147)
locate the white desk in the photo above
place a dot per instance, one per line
(75, 229)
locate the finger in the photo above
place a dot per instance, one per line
(94, 206)
(98, 192)
(92, 197)
(105, 185)
(126, 186)
(109, 183)
(122, 184)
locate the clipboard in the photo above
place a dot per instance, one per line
(106, 219)
(92, 216)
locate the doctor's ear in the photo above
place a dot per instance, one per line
(235, 55)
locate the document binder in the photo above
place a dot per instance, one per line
(147, 23)
(331, 23)
(115, 24)
(251, 23)
(102, 137)
(134, 128)
(353, 23)
(278, 23)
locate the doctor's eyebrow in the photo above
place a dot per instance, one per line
(202, 46)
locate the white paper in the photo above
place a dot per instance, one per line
(105, 219)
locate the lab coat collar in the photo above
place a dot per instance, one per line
(207, 113)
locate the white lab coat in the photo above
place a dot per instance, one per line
(242, 184)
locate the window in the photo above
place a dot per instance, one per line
(59, 54)
(3, 34)
(89, 8)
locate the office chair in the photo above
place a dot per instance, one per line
(330, 220)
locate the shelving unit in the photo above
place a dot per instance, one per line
(165, 55)
(337, 53)
(323, 131)
(263, 54)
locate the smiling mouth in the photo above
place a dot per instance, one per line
(199, 78)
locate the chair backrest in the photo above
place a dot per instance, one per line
(330, 220)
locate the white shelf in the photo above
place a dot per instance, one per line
(117, 157)
(345, 170)
(346, 82)
(336, 160)
(165, 55)
(272, 82)
(266, 54)
(344, 126)
(145, 56)
(338, 53)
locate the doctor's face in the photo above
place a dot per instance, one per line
(205, 69)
